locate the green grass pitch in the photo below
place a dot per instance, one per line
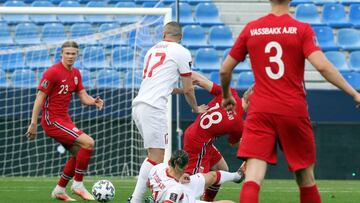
(38, 189)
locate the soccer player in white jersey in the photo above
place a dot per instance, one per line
(164, 64)
(165, 181)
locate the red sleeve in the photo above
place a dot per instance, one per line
(309, 44)
(216, 89)
(47, 82)
(239, 50)
(80, 85)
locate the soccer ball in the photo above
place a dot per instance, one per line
(103, 191)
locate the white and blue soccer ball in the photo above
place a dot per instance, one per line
(103, 191)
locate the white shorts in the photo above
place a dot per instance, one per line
(195, 189)
(152, 125)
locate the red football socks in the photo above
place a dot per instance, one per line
(250, 192)
(82, 161)
(309, 195)
(68, 173)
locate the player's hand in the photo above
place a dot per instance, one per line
(229, 103)
(31, 132)
(357, 100)
(178, 91)
(99, 103)
(185, 178)
(202, 108)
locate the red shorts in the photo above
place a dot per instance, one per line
(202, 157)
(293, 134)
(65, 132)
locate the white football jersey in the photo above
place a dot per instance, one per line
(164, 63)
(164, 187)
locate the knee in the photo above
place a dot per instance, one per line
(305, 177)
(87, 143)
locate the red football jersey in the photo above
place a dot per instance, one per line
(277, 46)
(59, 83)
(217, 121)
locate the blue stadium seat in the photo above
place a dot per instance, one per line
(214, 76)
(186, 15)
(98, 18)
(153, 4)
(5, 36)
(207, 14)
(354, 15)
(308, 13)
(133, 81)
(93, 58)
(354, 79)
(206, 60)
(38, 60)
(338, 59)
(108, 79)
(78, 30)
(23, 78)
(71, 18)
(220, 37)
(335, 16)
(43, 18)
(194, 2)
(325, 37)
(194, 37)
(86, 78)
(3, 81)
(348, 39)
(143, 37)
(53, 33)
(11, 62)
(321, 2)
(297, 2)
(15, 18)
(242, 66)
(355, 60)
(126, 19)
(245, 80)
(26, 33)
(347, 2)
(113, 40)
(122, 58)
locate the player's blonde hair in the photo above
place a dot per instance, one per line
(71, 44)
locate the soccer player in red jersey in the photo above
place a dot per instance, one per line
(55, 91)
(199, 136)
(278, 46)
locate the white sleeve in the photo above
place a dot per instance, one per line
(184, 61)
(173, 195)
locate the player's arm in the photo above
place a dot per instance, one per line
(225, 77)
(189, 92)
(245, 99)
(202, 81)
(331, 74)
(40, 97)
(86, 99)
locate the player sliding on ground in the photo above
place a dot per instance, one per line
(55, 91)
(164, 180)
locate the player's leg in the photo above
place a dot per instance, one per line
(296, 138)
(152, 125)
(258, 148)
(217, 163)
(66, 139)
(306, 182)
(83, 148)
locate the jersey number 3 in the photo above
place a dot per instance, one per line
(210, 117)
(275, 59)
(160, 57)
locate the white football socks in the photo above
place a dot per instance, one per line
(141, 187)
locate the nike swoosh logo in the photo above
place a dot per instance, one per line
(63, 80)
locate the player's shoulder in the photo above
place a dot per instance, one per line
(52, 70)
